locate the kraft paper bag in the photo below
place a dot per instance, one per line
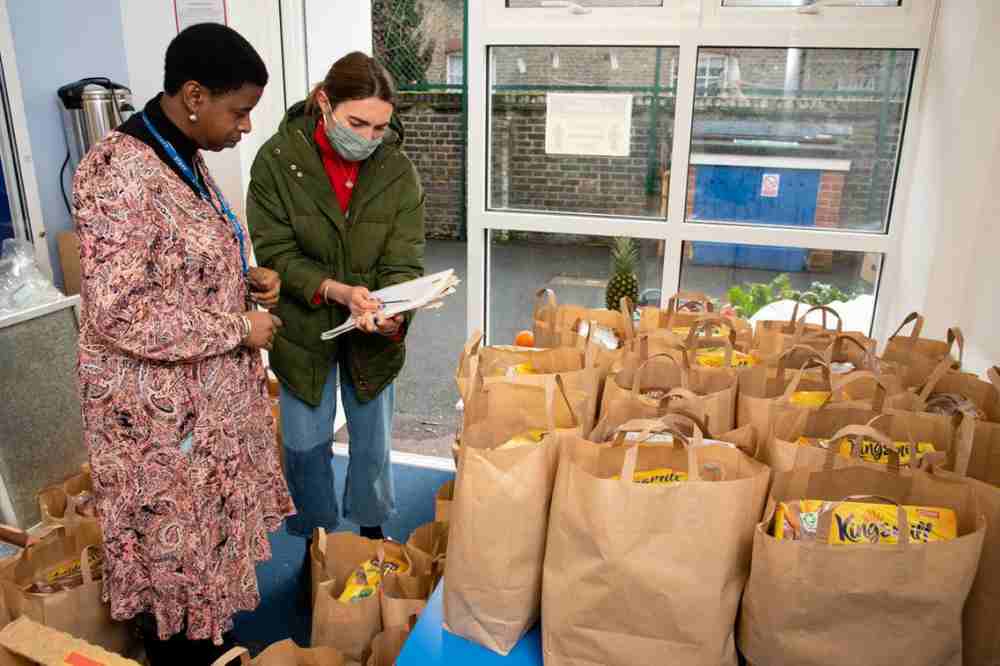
(349, 627)
(285, 653)
(652, 387)
(442, 501)
(918, 357)
(430, 543)
(499, 517)
(782, 450)
(771, 338)
(648, 574)
(557, 325)
(684, 310)
(79, 611)
(979, 453)
(387, 646)
(71, 499)
(812, 603)
(403, 597)
(980, 638)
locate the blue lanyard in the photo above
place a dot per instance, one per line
(190, 174)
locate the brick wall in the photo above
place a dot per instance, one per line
(434, 141)
(525, 177)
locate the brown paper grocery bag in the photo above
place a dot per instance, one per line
(285, 653)
(810, 603)
(648, 574)
(403, 597)
(72, 498)
(442, 501)
(387, 646)
(578, 370)
(499, 517)
(980, 638)
(708, 393)
(429, 544)
(782, 452)
(978, 455)
(774, 337)
(80, 610)
(348, 627)
(918, 357)
(554, 324)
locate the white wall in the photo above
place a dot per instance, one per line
(335, 28)
(948, 268)
(148, 27)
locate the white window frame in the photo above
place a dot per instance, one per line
(453, 68)
(706, 78)
(17, 157)
(491, 23)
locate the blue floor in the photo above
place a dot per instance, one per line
(280, 616)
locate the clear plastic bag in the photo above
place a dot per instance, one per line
(22, 284)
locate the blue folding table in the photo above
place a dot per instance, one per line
(429, 644)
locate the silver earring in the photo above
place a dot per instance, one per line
(193, 118)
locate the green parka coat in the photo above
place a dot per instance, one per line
(299, 230)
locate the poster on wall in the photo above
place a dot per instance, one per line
(588, 124)
(770, 185)
(191, 12)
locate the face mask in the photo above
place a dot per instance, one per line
(351, 146)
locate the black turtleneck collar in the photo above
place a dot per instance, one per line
(184, 146)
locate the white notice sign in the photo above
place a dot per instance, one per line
(588, 124)
(191, 12)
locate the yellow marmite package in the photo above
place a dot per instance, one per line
(810, 398)
(715, 357)
(364, 580)
(527, 438)
(862, 522)
(872, 451)
(661, 476)
(521, 369)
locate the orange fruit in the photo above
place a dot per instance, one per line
(525, 339)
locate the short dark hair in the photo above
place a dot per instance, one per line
(214, 55)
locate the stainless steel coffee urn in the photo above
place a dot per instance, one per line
(91, 108)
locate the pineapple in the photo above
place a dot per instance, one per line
(623, 282)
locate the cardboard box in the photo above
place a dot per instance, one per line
(33, 643)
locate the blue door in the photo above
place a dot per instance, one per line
(754, 195)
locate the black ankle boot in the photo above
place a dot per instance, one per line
(372, 532)
(305, 579)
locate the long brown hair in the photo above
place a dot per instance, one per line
(355, 76)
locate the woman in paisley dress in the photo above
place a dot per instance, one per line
(177, 420)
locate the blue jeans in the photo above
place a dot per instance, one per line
(307, 431)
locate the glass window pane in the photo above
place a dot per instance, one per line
(523, 4)
(805, 3)
(799, 137)
(581, 129)
(576, 268)
(763, 282)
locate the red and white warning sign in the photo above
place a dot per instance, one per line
(770, 184)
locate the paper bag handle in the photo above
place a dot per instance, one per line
(793, 385)
(800, 327)
(631, 458)
(955, 336)
(705, 323)
(637, 379)
(837, 347)
(550, 401)
(550, 297)
(816, 359)
(940, 370)
(691, 300)
(882, 389)
(240, 652)
(826, 517)
(918, 325)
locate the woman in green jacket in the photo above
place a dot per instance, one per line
(337, 209)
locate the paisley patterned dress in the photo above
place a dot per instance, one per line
(160, 359)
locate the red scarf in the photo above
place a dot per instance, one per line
(343, 175)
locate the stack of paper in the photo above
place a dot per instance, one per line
(421, 294)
